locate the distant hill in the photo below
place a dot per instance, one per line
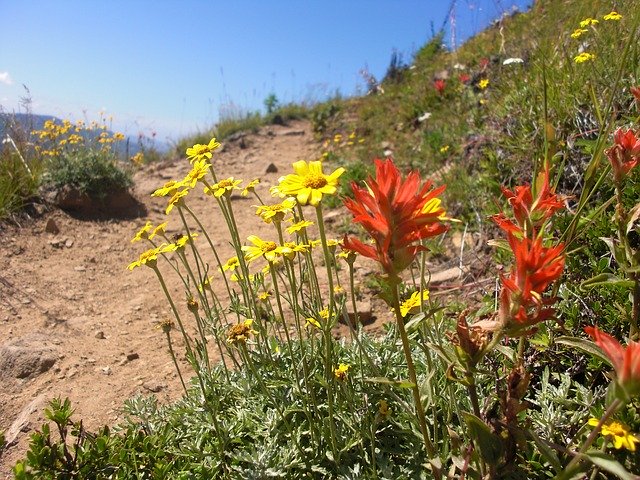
(10, 123)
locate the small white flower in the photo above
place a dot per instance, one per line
(509, 61)
(424, 116)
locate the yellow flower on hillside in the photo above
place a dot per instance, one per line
(169, 188)
(584, 57)
(159, 230)
(444, 149)
(577, 33)
(223, 187)
(289, 249)
(143, 233)
(618, 433)
(251, 186)
(275, 213)
(201, 152)
(264, 296)
(118, 136)
(588, 22)
(148, 258)
(309, 183)
(299, 226)
(612, 16)
(240, 332)
(260, 248)
(231, 264)
(322, 317)
(412, 304)
(180, 242)
(484, 83)
(177, 199)
(341, 372)
(199, 170)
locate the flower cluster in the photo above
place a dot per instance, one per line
(624, 154)
(536, 266)
(583, 29)
(396, 213)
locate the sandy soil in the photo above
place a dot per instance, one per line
(74, 322)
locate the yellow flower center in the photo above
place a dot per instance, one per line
(225, 183)
(314, 181)
(268, 247)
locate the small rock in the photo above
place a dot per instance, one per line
(152, 386)
(272, 168)
(105, 370)
(26, 357)
(292, 133)
(68, 243)
(57, 242)
(79, 268)
(100, 335)
(51, 227)
(71, 372)
(22, 421)
(132, 356)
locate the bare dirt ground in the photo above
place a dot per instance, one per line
(74, 322)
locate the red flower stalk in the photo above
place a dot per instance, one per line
(536, 267)
(530, 211)
(439, 85)
(464, 78)
(625, 361)
(396, 213)
(624, 154)
(635, 91)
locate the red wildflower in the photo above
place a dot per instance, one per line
(464, 78)
(484, 63)
(635, 91)
(624, 154)
(625, 361)
(439, 85)
(527, 209)
(396, 213)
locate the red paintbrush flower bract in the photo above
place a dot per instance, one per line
(397, 213)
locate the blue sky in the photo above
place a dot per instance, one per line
(173, 66)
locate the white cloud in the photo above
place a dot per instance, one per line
(5, 78)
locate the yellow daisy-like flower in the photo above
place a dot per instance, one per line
(612, 16)
(292, 248)
(232, 264)
(348, 256)
(201, 152)
(159, 230)
(148, 258)
(176, 200)
(583, 57)
(260, 248)
(223, 187)
(264, 296)
(240, 332)
(275, 265)
(143, 233)
(484, 83)
(618, 433)
(251, 186)
(181, 242)
(169, 188)
(299, 226)
(578, 32)
(323, 316)
(341, 372)
(199, 170)
(412, 304)
(588, 22)
(237, 278)
(275, 213)
(444, 149)
(309, 183)
(275, 191)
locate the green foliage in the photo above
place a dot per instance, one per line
(271, 103)
(19, 182)
(93, 172)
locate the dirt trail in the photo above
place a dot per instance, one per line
(74, 322)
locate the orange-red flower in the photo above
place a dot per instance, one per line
(635, 91)
(396, 213)
(527, 209)
(625, 361)
(439, 85)
(624, 154)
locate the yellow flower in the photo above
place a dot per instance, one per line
(118, 136)
(323, 316)
(148, 258)
(275, 191)
(348, 256)
(444, 149)
(201, 152)
(612, 16)
(341, 372)
(260, 248)
(223, 187)
(240, 332)
(413, 303)
(251, 186)
(199, 170)
(484, 83)
(205, 284)
(143, 233)
(289, 249)
(159, 230)
(137, 159)
(383, 408)
(169, 188)
(180, 242)
(231, 264)
(299, 226)
(588, 21)
(618, 433)
(275, 213)
(264, 296)
(176, 200)
(577, 33)
(583, 57)
(309, 183)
